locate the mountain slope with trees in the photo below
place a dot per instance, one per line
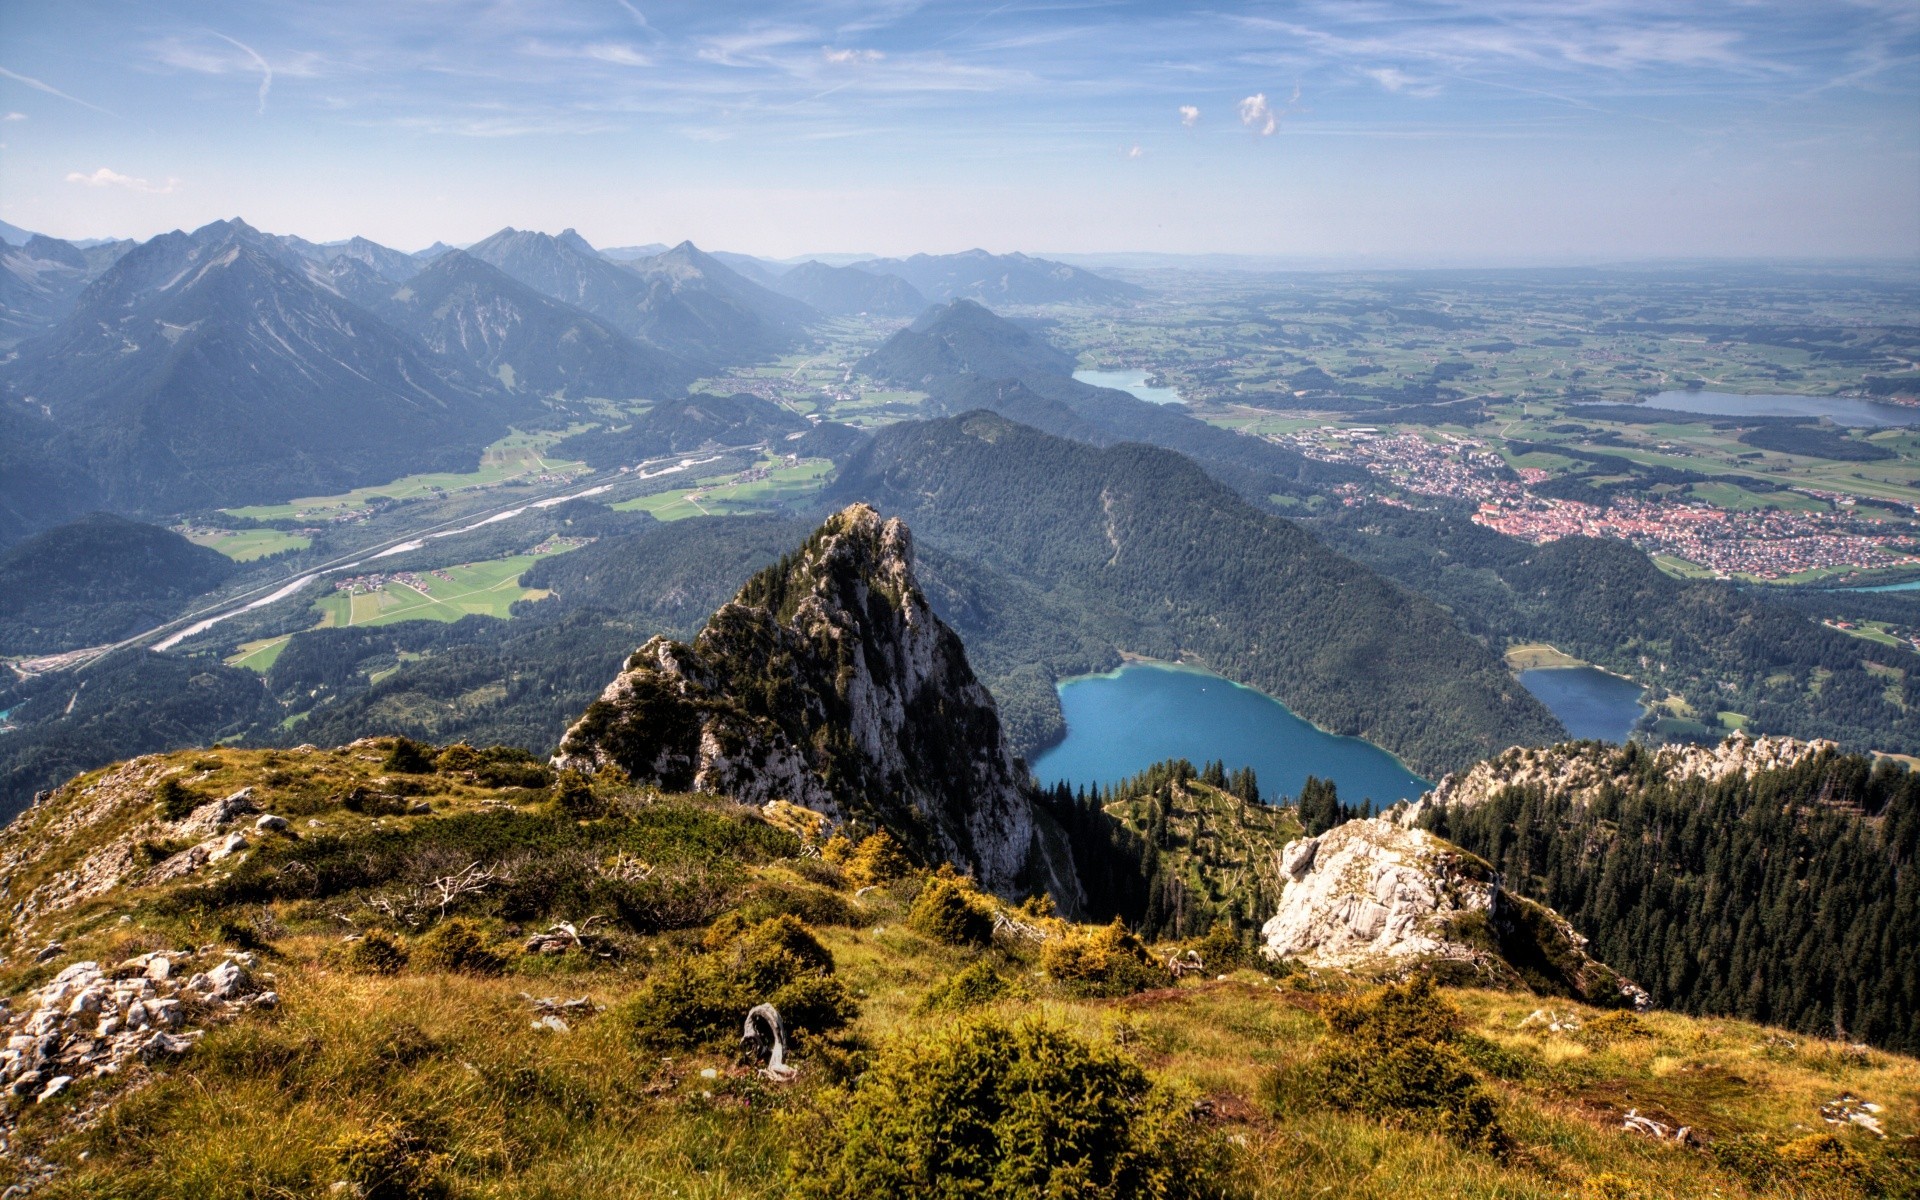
(96, 580)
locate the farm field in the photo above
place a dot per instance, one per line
(514, 457)
(487, 589)
(259, 655)
(246, 545)
(765, 487)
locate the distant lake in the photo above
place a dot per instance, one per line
(1589, 702)
(1120, 724)
(1911, 585)
(1129, 381)
(1842, 410)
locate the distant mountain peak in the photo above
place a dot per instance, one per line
(571, 238)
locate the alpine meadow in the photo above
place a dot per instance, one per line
(857, 600)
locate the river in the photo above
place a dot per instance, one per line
(1121, 723)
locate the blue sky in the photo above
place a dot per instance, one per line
(1495, 131)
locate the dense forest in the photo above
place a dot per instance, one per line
(96, 580)
(1141, 551)
(1719, 648)
(1789, 897)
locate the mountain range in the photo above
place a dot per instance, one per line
(1002, 279)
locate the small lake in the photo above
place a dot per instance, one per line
(1911, 585)
(1589, 702)
(1841, 410)
(1129, 381)
(1120, 724)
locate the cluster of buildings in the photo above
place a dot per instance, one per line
(361, 585)
(1763, 543)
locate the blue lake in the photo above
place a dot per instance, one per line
(1841, 410)
(1129, 381)
(1588, 701)
(1120, 724)
(1911, 585)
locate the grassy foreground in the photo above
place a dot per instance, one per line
(409, 1056)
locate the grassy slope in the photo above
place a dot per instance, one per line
(506, 1110)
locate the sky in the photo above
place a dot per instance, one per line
(1492, 131)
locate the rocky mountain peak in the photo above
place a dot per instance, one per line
(829, 682)
(1372, 895)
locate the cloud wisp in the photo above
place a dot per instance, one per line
(50, 90)
(107, 177)
(1189, 115)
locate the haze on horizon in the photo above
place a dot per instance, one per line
(1437, 131)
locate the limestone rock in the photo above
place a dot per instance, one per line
(829, 683)
(1373, 896)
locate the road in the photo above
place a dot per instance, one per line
(165, 637)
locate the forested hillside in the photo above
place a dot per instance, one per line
(1152, 556)
(1788, 897)
(96, 580)
(1719, 648)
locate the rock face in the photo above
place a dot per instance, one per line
(828, 682)
(1581, 769)
(1374, 896)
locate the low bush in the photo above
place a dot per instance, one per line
(386, 1161)
(1106, 961)
(175, 800)
(810, 902)
(457, 945)
(702, 1001)
(877, 859)
(1609, 1029)
(408, 757)
(979, 984)
(949, 911)
(374, 953)
(994, 1111)
(573, 795)
(1394, 1057)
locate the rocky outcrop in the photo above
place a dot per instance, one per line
(1580, 769)
(1371, 896)
(829, 683)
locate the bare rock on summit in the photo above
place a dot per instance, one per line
(829, 682)
(1373, 896)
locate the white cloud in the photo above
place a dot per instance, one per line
(1134, 151)
(1189, 115)
(1393, 79)
(14, 116)
(1256, 113)
(850, 56)
(105, 177)
(49, 89)
(618, 53)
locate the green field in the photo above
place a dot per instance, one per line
(487, 589)
(516, 456)
(729, 495)
(261, 655)
(245, 545)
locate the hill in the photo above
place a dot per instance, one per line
(1002, 279)
(96, 580)
(1716, 648)
(677, 425)
(478, 316)
(204, 370)
(1143, 552)
(42, 278)
(240, 937)
(848, 291)
(1778, 886)
(967, 357)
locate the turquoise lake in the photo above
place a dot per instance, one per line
(1588, 701)
(1120, 724)
(1134, 382)
(1841, 410)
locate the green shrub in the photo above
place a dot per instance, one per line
(387, 1162)
(457, 757)
(1611, 1028)
(950, 912)
(809, 902)
(1107, 961)
(979, 984)
(703, 1001)
(876, 860)
(372, 803)
(994, 1111)
(1394, 1057)
(573, 795)
(374, 953)
(408, 757)
(457, 945)
(175, 800)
